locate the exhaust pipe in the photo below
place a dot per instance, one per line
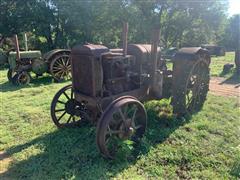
(157, 78)
(26, 42)
(154, 51)
(17, 47)
(124, 38)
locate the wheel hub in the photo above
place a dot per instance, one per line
(126, 129)
(70, 106)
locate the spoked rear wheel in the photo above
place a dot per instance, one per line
(124, 119)
(190, 86)
(66, 111)
(60, 67)
(197, 87)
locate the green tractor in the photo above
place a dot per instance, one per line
(23, 62)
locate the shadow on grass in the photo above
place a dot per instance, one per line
(35, 82)
(234, 79)
(235, 171)
(72, 153)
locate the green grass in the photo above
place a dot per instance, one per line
(217, 64)
(206, 146)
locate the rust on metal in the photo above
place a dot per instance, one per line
(124, 38)
(154, 53)
(108, 86)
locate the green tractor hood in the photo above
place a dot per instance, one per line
(23, 55)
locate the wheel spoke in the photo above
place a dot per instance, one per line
(71, 93)
(61, 116)
(59, 110)
(134, 115)
(56, 70)
(122, 115)
(112, 132)
(63, 63)
(125, 110)
(66, 95)
(56, 67)
(58, 62)
(60, 71)
(69, 119)
(68, 63)
(61, 102)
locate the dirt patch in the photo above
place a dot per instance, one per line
(5, 161)
(220, 86)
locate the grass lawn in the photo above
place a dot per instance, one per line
(217, 64)
(205, 146)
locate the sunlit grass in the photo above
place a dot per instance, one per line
(206, 146)
(217, 64)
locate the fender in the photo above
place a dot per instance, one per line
(47, 56)
(192, 54)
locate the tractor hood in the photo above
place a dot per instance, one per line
(23, 55)
(26, 54)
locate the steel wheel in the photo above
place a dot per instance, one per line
(60, 67)
(66, 111)
(21, 78)
(190, 85)
(124, 119)
(197, 87)
(10, 75)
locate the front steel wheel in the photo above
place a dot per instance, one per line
(66, 111)
(124, 119)
(10, 75)
(21, 78)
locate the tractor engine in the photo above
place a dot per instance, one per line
(99, 72)
(118, 73)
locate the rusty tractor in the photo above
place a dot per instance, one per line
(109, 86)
(214, 50)
(23, 61)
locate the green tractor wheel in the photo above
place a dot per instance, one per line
(21, 78)
(10, 75)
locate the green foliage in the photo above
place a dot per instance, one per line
(217, 64)
(232, 33)
(66, 23)
(160, 110)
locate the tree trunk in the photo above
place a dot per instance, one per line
(237, 61)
